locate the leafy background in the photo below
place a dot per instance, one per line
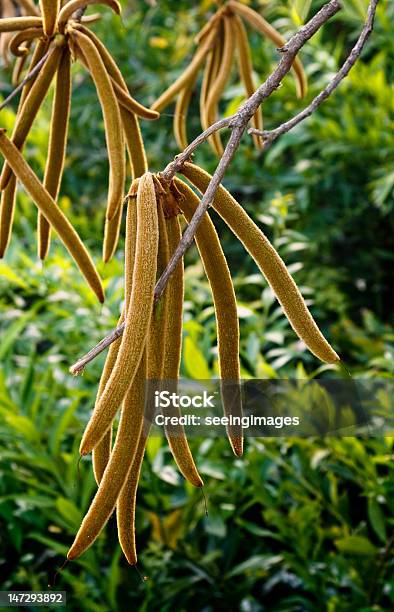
(294, 524)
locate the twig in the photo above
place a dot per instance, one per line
(270, 135)
(237, 123)
(27, 78)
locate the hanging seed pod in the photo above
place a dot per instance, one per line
(49, 11)
(137, 317)
(112, 120)
(101, 451)
(219, 277)
(221, 79)
(246, 73)
(118, 467)
(269, 262)
(32, 105)
(175, 290)
(74, 5)
(51, 212)
(57, 145)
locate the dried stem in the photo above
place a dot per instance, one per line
(237, 123)
(270, 135)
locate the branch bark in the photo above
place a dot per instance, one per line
(237, 123)
(270, 135)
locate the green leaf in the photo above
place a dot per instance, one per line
(356, 545)
(376, 518)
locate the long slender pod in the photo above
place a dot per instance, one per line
(156, 347)
(121, 90)
(220, 81)
(211, 71)
(137, 317)
(180, 115)
(261, 25)
(219, 277)
(49, 10)
(74, 5)
(269, 262)
(31, 105)
(57, 145)
(199, 57)
(18, 44)
(52, 213)
(112, 120)
(15, 24)
(176, 436)
(131, 129)
(8, 195)
(101, 451)
(118, 467)
(7, 209)
(134, 143)
(29, 7)
(246, 73)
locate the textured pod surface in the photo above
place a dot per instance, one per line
(49, 11)
(175, 291)
(269, 262)
(155, 348)
(101, 452)
(74, 5)
(180, 115)
(137, 318)
(225, 63)
(14, 24)
(7, 209)
(219, 277)
(31, 106)
(52, 213)
(246, 73)
(118, 467)
(57, 145)
(112, 120)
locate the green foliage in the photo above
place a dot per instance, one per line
(294, 524)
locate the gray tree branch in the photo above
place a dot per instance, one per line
(237, 123)
(270, 135)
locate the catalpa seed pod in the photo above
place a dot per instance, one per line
(269, 262)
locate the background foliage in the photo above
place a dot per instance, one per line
(294, 524)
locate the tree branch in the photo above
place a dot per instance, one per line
(237, 123)
(270, 135)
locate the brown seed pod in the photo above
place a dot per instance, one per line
(261, 25)
(74, 5)
(118, 467)
(219, 277)
(180, 115)
(269, 262)
(175, 290)
(246, 73)
(101, 452)
(49, 11)
(137, 317)
(156, 348)
(221, 79)
(112, 119)
(17, 45)
(210, 74)
(57, 145)
(7, 208)
(32, 104)
(15, 24)
(52, 213)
